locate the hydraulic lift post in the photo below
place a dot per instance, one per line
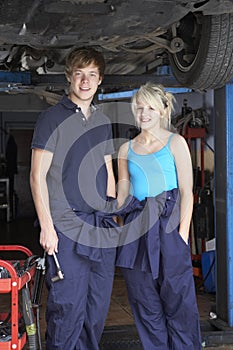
(223, 102)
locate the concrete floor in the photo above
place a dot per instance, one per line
(119, 322)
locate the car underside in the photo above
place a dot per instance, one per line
(194, 38)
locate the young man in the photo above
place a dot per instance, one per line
(71, 180)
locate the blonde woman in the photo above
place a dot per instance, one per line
(155, 176)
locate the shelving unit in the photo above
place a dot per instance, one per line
(194, 134)
(13, 285)
(197, 133)
(5, 196)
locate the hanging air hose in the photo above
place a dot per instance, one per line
(37, 292)
(28, 316)
(32, 329)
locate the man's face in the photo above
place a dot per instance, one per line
(84, 83)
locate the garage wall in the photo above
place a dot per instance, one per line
(120, 112)
(18, 114)
(202, 100)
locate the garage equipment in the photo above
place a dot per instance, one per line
(192, 125)
(60, 275)
(37, 292)
(15, 275)
(29, 318)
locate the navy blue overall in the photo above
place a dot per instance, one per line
(77, 306)
(158, 272)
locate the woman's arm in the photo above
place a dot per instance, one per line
(123, 185)
(111, 185)
(183, 162)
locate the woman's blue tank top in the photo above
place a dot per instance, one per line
(151, 174)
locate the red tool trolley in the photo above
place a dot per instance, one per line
(13, 283)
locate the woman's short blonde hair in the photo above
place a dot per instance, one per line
(155, 96)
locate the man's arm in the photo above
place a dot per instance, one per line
(40, 164)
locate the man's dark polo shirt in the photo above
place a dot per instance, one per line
(77, 178)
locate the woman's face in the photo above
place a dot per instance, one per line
(146, 116)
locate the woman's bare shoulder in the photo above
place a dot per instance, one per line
(177, 139)
(123, 150)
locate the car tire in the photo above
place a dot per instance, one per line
(208, 43)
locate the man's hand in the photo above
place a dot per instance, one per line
(49, 240)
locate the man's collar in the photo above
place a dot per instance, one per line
(71, 105)
(68, 103)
